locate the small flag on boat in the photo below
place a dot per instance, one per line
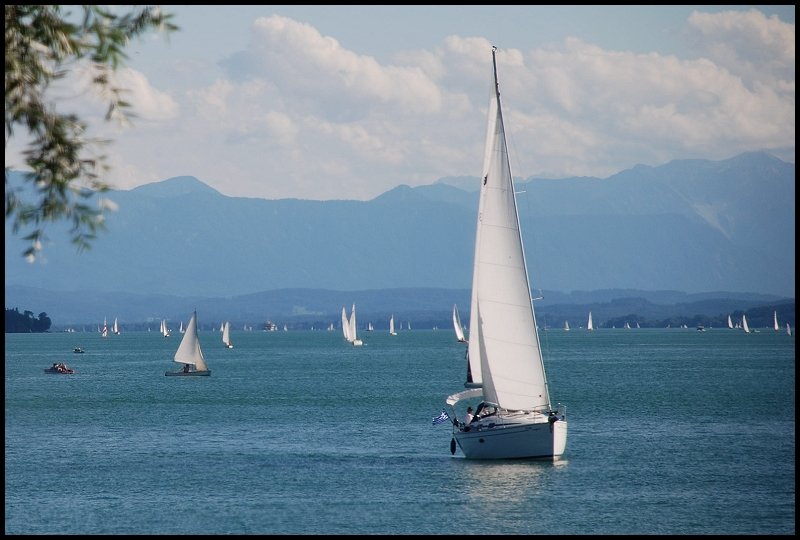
(443, 417)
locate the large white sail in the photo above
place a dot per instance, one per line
(511, 362)
(745, 326)
(391, 326)
(189, 351)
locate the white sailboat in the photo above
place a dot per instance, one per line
(589, 325)
(104, 331)
(458, 326)
(745, 327)
(775, 321)
(514, 418)
(346, 326)
(226, 335)
(115, 328)
(566, 326)
(353, 333)
(730, 322)
(391, 326)
(190, 354)
(788, 329)
(164, 328)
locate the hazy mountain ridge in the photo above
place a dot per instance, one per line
(425, 307)
(689, 225)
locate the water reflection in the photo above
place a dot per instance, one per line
(498, 483)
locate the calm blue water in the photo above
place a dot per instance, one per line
(671, 432)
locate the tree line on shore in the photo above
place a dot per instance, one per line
(25, 322)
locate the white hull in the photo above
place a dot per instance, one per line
(514, 437)
(206, 373)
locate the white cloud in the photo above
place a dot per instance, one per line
(297, 114)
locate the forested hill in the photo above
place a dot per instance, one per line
(25, 322)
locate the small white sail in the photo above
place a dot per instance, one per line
(189, 352)
(589, 325)
(105, 328)
(566, 326)
(226, 335)
(391, 326)
(775, 321)
(346, 326)
(730, 322)
(788, 329)
(115, 328)
(744, 324)
(457, 325)
(353, 328)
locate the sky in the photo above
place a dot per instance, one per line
(348, 102)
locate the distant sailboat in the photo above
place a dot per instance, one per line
(391, 326)
(346, 326)
(589, 325)
(775, 321)
(226, 335)
(745, 327)
(190, 354)
(115, 328)
(730, 322)
(164, 328)
(788, 329)
(181, 329)
(370, 327)
(457, 325)
(104, 332)
(353, 332)
(566, 326)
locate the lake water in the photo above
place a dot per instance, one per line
(670, 432)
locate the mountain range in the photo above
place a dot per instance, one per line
(689, 225)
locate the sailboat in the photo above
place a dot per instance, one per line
(104, 332)
(589, 325)
(775, 321)
(226, 335)
(353, 333)
(115, 328)
(391, 326)
(566, 326)
(745, 327)
(788, 329)
(189, 353)
(730, 322)
(346, 326)
(514, 418)
(457, 325)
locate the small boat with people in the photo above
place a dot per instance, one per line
(59, 368)
(77, 350)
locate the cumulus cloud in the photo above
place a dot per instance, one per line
(296, 114)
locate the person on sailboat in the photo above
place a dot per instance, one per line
(468, 416)
(186, 368)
